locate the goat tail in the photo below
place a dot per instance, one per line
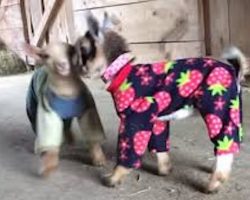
(238, 60)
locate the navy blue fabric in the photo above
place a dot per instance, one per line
(134, 122)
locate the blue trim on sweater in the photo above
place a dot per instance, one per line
(66, 107)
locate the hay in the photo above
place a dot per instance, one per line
(10, 63)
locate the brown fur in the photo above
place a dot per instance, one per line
(114, 45)
(49, 162)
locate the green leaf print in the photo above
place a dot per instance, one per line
(225, 144)
(217, 89)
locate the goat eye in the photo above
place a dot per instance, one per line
(44, 56)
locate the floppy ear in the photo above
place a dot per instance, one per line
(35, 52)
(93, 25)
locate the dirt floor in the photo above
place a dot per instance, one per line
(191, 153)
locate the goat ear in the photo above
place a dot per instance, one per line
(110, 21)
(93, 25)
(35, 52)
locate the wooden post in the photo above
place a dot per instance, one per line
(217, 26)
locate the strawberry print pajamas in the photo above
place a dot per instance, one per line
(144, 92)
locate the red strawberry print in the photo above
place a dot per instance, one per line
(163, 100)
(124, 96)
(158, 68)
(140, 140)
(218, 81)
(142, 104)
(188, 82)
(159, 127)
(214, 125)
(164, 67)
(235, 111)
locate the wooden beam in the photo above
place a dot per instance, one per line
(47, 19)
(69, 19)
(24, 20)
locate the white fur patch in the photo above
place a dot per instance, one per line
(179, 114)
(224, 163)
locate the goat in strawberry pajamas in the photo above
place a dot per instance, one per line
(147, 96)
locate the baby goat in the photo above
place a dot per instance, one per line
(55, 96)
(146, 94)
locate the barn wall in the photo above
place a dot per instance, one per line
(229, 24)
(11, 26)
(156, 29)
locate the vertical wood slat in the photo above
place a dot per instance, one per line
(24, 20)
(202, 24)
(218, 35)
(69, 21)
(35, 13)
(239, 23)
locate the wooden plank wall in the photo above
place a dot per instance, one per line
(156, 29)
(229, 24)
(239, 18)
(11, 26)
